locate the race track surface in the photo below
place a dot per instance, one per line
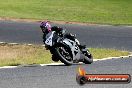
(119, 37)
(63, 76)
(60, 76)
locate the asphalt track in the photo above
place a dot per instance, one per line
(119, 37)
(61, 76)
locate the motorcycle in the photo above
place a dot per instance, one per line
(67, 49)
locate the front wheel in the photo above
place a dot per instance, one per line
(64, 53)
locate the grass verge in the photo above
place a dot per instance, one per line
(11, 55)
(90, 11)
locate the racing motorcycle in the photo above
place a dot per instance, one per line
(67, 49)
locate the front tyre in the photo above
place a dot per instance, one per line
(64, 54)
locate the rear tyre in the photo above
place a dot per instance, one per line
(88, 58)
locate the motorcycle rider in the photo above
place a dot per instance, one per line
(46, 28)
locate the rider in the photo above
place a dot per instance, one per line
(46, 28)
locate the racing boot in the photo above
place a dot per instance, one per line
(83, 47)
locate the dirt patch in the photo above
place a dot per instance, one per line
(35, 20)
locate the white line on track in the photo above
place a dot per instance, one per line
(34, 65)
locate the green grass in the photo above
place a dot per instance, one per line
(100, 53)
(23, 54)
(89, 11)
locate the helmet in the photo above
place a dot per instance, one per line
(45, 26)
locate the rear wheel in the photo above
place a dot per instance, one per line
(88, 58)
(64, 54)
